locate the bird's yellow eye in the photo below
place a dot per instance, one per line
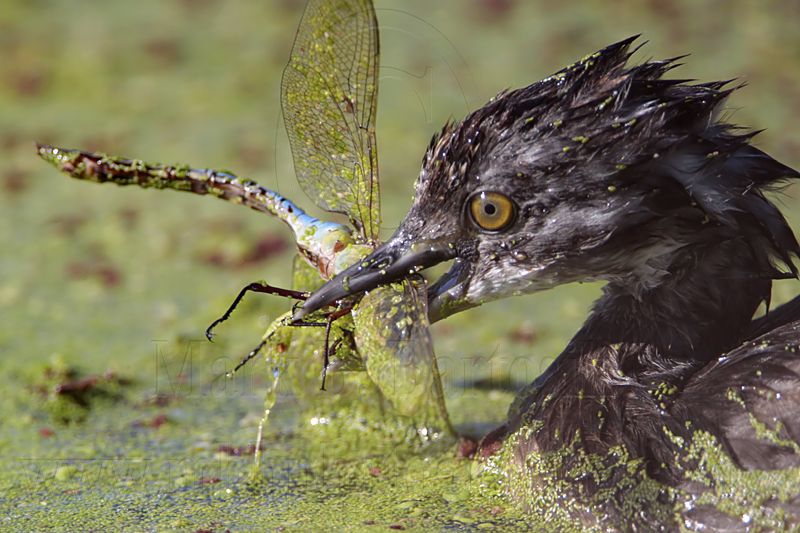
(492, 211)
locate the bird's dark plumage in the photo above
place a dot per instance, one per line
(621, 174)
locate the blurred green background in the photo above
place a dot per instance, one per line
(118, 284)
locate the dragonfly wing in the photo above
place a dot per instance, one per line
(392, 333)
(329, 95)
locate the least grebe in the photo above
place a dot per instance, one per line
(606, 171)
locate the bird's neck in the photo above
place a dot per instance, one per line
(698, 311)
(635, 342)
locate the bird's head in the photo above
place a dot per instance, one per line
(599, 172)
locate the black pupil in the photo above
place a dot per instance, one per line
(489, 209)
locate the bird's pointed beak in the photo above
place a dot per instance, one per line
(394, 260)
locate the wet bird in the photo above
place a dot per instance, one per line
(615, 172)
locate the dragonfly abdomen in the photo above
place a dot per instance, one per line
(326, 245)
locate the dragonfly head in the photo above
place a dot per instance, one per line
(600, 172)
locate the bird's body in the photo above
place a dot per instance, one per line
(611, 172)
(645, 377)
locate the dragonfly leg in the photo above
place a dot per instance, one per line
(254, 352)
(326, 360)
(254, 287)
(331, 318)
(336, 315)
(302, 324)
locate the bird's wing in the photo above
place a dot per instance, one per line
(750, 400)
(788, 312)
(329, 95)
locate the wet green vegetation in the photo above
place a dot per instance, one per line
(112, 416)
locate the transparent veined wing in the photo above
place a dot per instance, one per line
(393, 334)
(329, 96)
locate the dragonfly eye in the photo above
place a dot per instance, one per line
(492, 211)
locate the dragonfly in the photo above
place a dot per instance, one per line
(329, 96)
